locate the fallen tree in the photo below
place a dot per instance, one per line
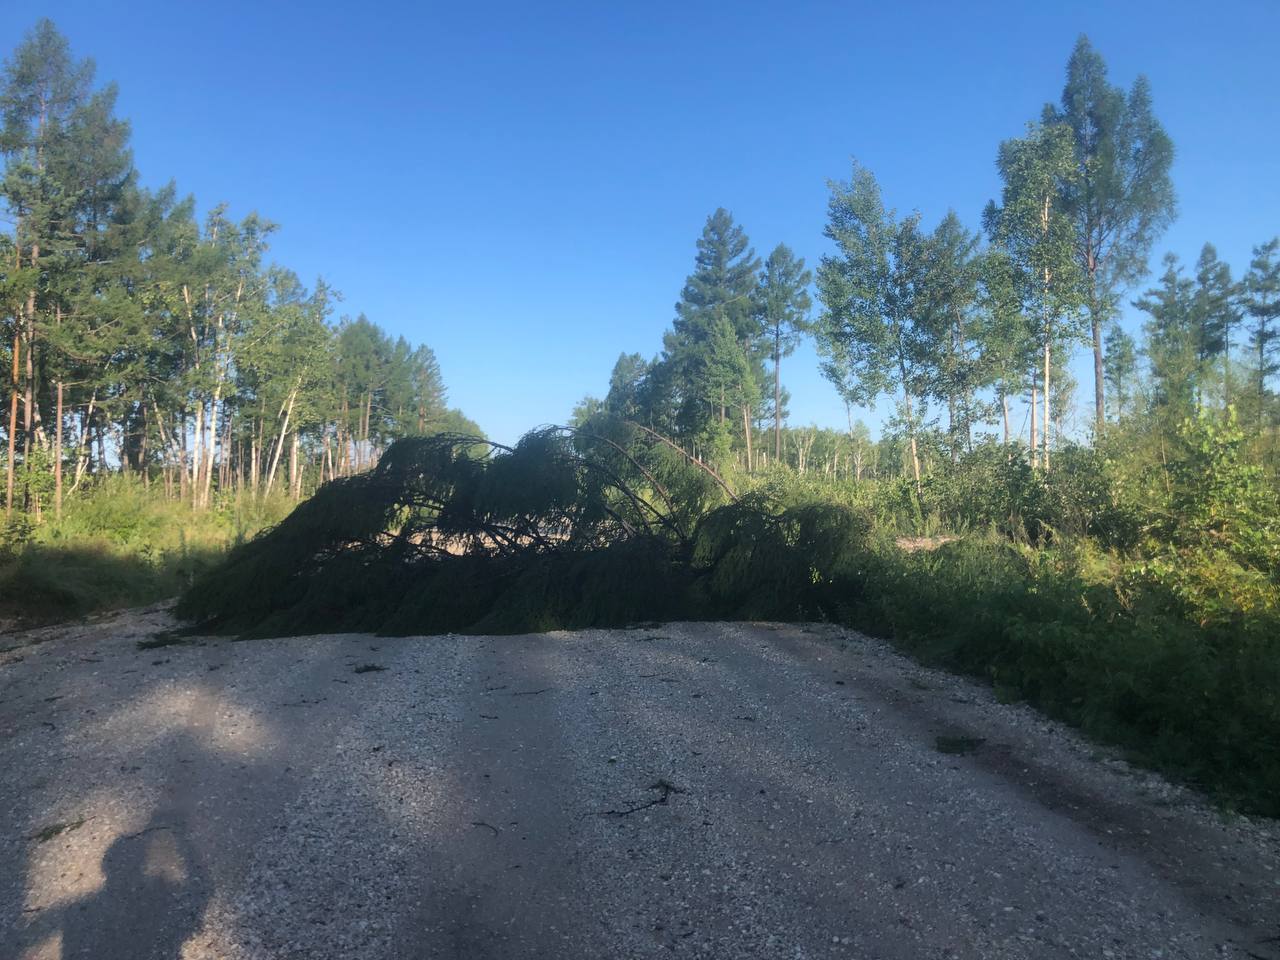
(567, 529)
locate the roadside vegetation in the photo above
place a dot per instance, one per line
(116, 546)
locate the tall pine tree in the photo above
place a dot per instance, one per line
(782, 305)
(1262, 303)
(715, 332)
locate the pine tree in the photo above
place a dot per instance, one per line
(1172, 341)
(717, 297)
(782, 306)
(1262, 303)
(1120, 365)
(1121, 198)
(1215, 312)
(137, 338)
(67, 165)
(626, 398)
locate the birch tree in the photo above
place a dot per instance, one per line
(1033, 225)
(1121, 197)
(871, 295)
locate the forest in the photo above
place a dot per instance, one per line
(955, 325)
(162, 375)
(171, 394)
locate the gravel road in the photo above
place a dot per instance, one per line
(688, 790)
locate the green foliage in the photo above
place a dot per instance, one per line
(710, 363)
(1112, 657)
(439, 538)
(1121, 197)
(1120, 370)
(121, 545)
(566, 529)
(173, 337)
(866, 330)
(752, 561)
(1134, 589)
(1170, 340)
(1217, 496)
(1215, 543)
(1262, 303)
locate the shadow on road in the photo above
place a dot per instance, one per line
(151, 901)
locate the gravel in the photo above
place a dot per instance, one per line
(689, 790)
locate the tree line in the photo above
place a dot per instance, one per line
(140, 337)
(955, 324)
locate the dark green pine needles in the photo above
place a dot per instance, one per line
(600, 526)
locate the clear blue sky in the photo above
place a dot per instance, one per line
(520, 185)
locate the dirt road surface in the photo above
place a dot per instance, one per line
(689, 790)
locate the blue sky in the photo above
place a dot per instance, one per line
(521, 185)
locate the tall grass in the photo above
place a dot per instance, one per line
(121, 544)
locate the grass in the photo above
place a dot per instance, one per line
(48, 583)
(120, 545)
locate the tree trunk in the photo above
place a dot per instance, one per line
(1045, 438)
(1004, 406)
(911, 431)
(279, 445)
(368, 417)
(746, 432)
(1095, 321)
(57, 459)
(142, 451)
(28, 409)
(293, 466)
(343, 443)
(1262, 374)
(1226, 371)
(102, 447)
(777, 393)
(210, 445)
(1034, 450)
(13, 423)
(57, 444)
(170, 443)
(953, 392)
(197, 455)
(952, 430)
(82, 442)
(255, 459)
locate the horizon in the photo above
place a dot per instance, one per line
(526, 201)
